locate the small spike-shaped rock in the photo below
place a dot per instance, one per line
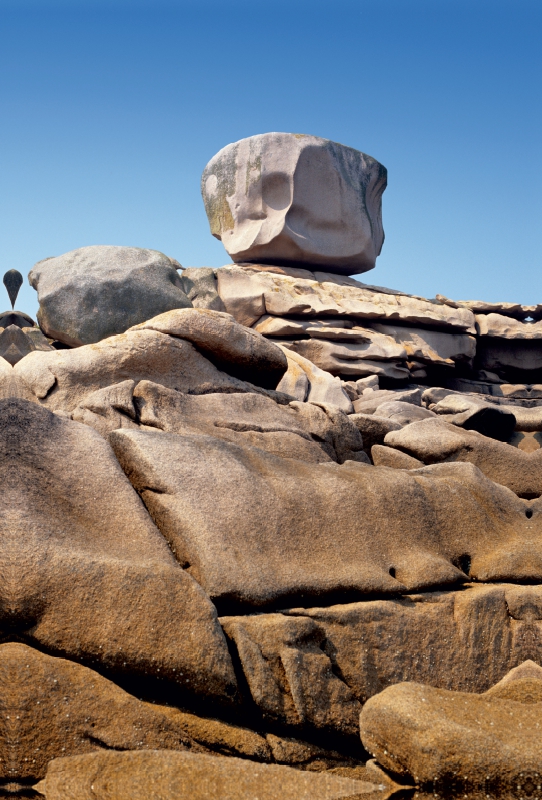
(13, 280)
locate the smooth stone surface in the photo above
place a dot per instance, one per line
(200, 286)
(172, 775)
(502, 327)
(403, 412)
(494, 421)
(249, 293)
(85, 572)
(256, 529)
(231, 347)
(440, 736)
(388, 457)
(434, 441)
(341, 358)
(373, 428)
(286, 198)
(305, 381)
(94, 292)
(369, 403)
(63, 379)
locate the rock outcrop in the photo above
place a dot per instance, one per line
(262, 522)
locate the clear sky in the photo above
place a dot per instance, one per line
(110, 110)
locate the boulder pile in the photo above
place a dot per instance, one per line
(267, 531)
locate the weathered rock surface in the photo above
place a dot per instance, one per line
(382, 456)
(514, 310)
(94, 292)
(373, 428)
(169, 775)
(305, 381)
(323, 528)
(510, 355)
(285, 198)
(435, 442)
(85, 573)
(432, 347)
(403, 412)
(315, 667)
(63, 379)
(438, 736)
(249, 293)
(298, 430)
(496, 422)
(369, 403)
(501, 327)
(382, 358)
(51, 707)
(231, 347)
(200, 286)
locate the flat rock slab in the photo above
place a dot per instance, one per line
(501, 327)
(432, 347)
(313, 668)
(380, 356)
(249, 293)
(89, 294)
(438, 736)
(435, 442)
(85, 572)
(286, 198)
(171, 775)
(63, 379)
(256, 529)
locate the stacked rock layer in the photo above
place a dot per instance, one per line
(267, 531)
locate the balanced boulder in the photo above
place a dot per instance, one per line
(286, 198)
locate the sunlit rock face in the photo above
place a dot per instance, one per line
(284, 530)
(288, 198)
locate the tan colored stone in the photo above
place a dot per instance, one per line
(299, 430)
(373, 428)
(255, 529)
(231, 347)
(431, 347)
(464, 640)
(369, 403)
(388, 457)
(322, 387)
(64, 378)
(502, 327)
(51, 707)
(290, 678)
(472, 413)
(434, 442)
(438, 736)
(342, 358)
(482, 307)
(171, 775)
(84, 571)
(403, 413)
(249, 293)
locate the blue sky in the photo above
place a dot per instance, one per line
(110, 111)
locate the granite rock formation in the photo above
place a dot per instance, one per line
(288, 198)
(276, 534)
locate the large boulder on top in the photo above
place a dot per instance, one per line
(285, 198)
(94, 292)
